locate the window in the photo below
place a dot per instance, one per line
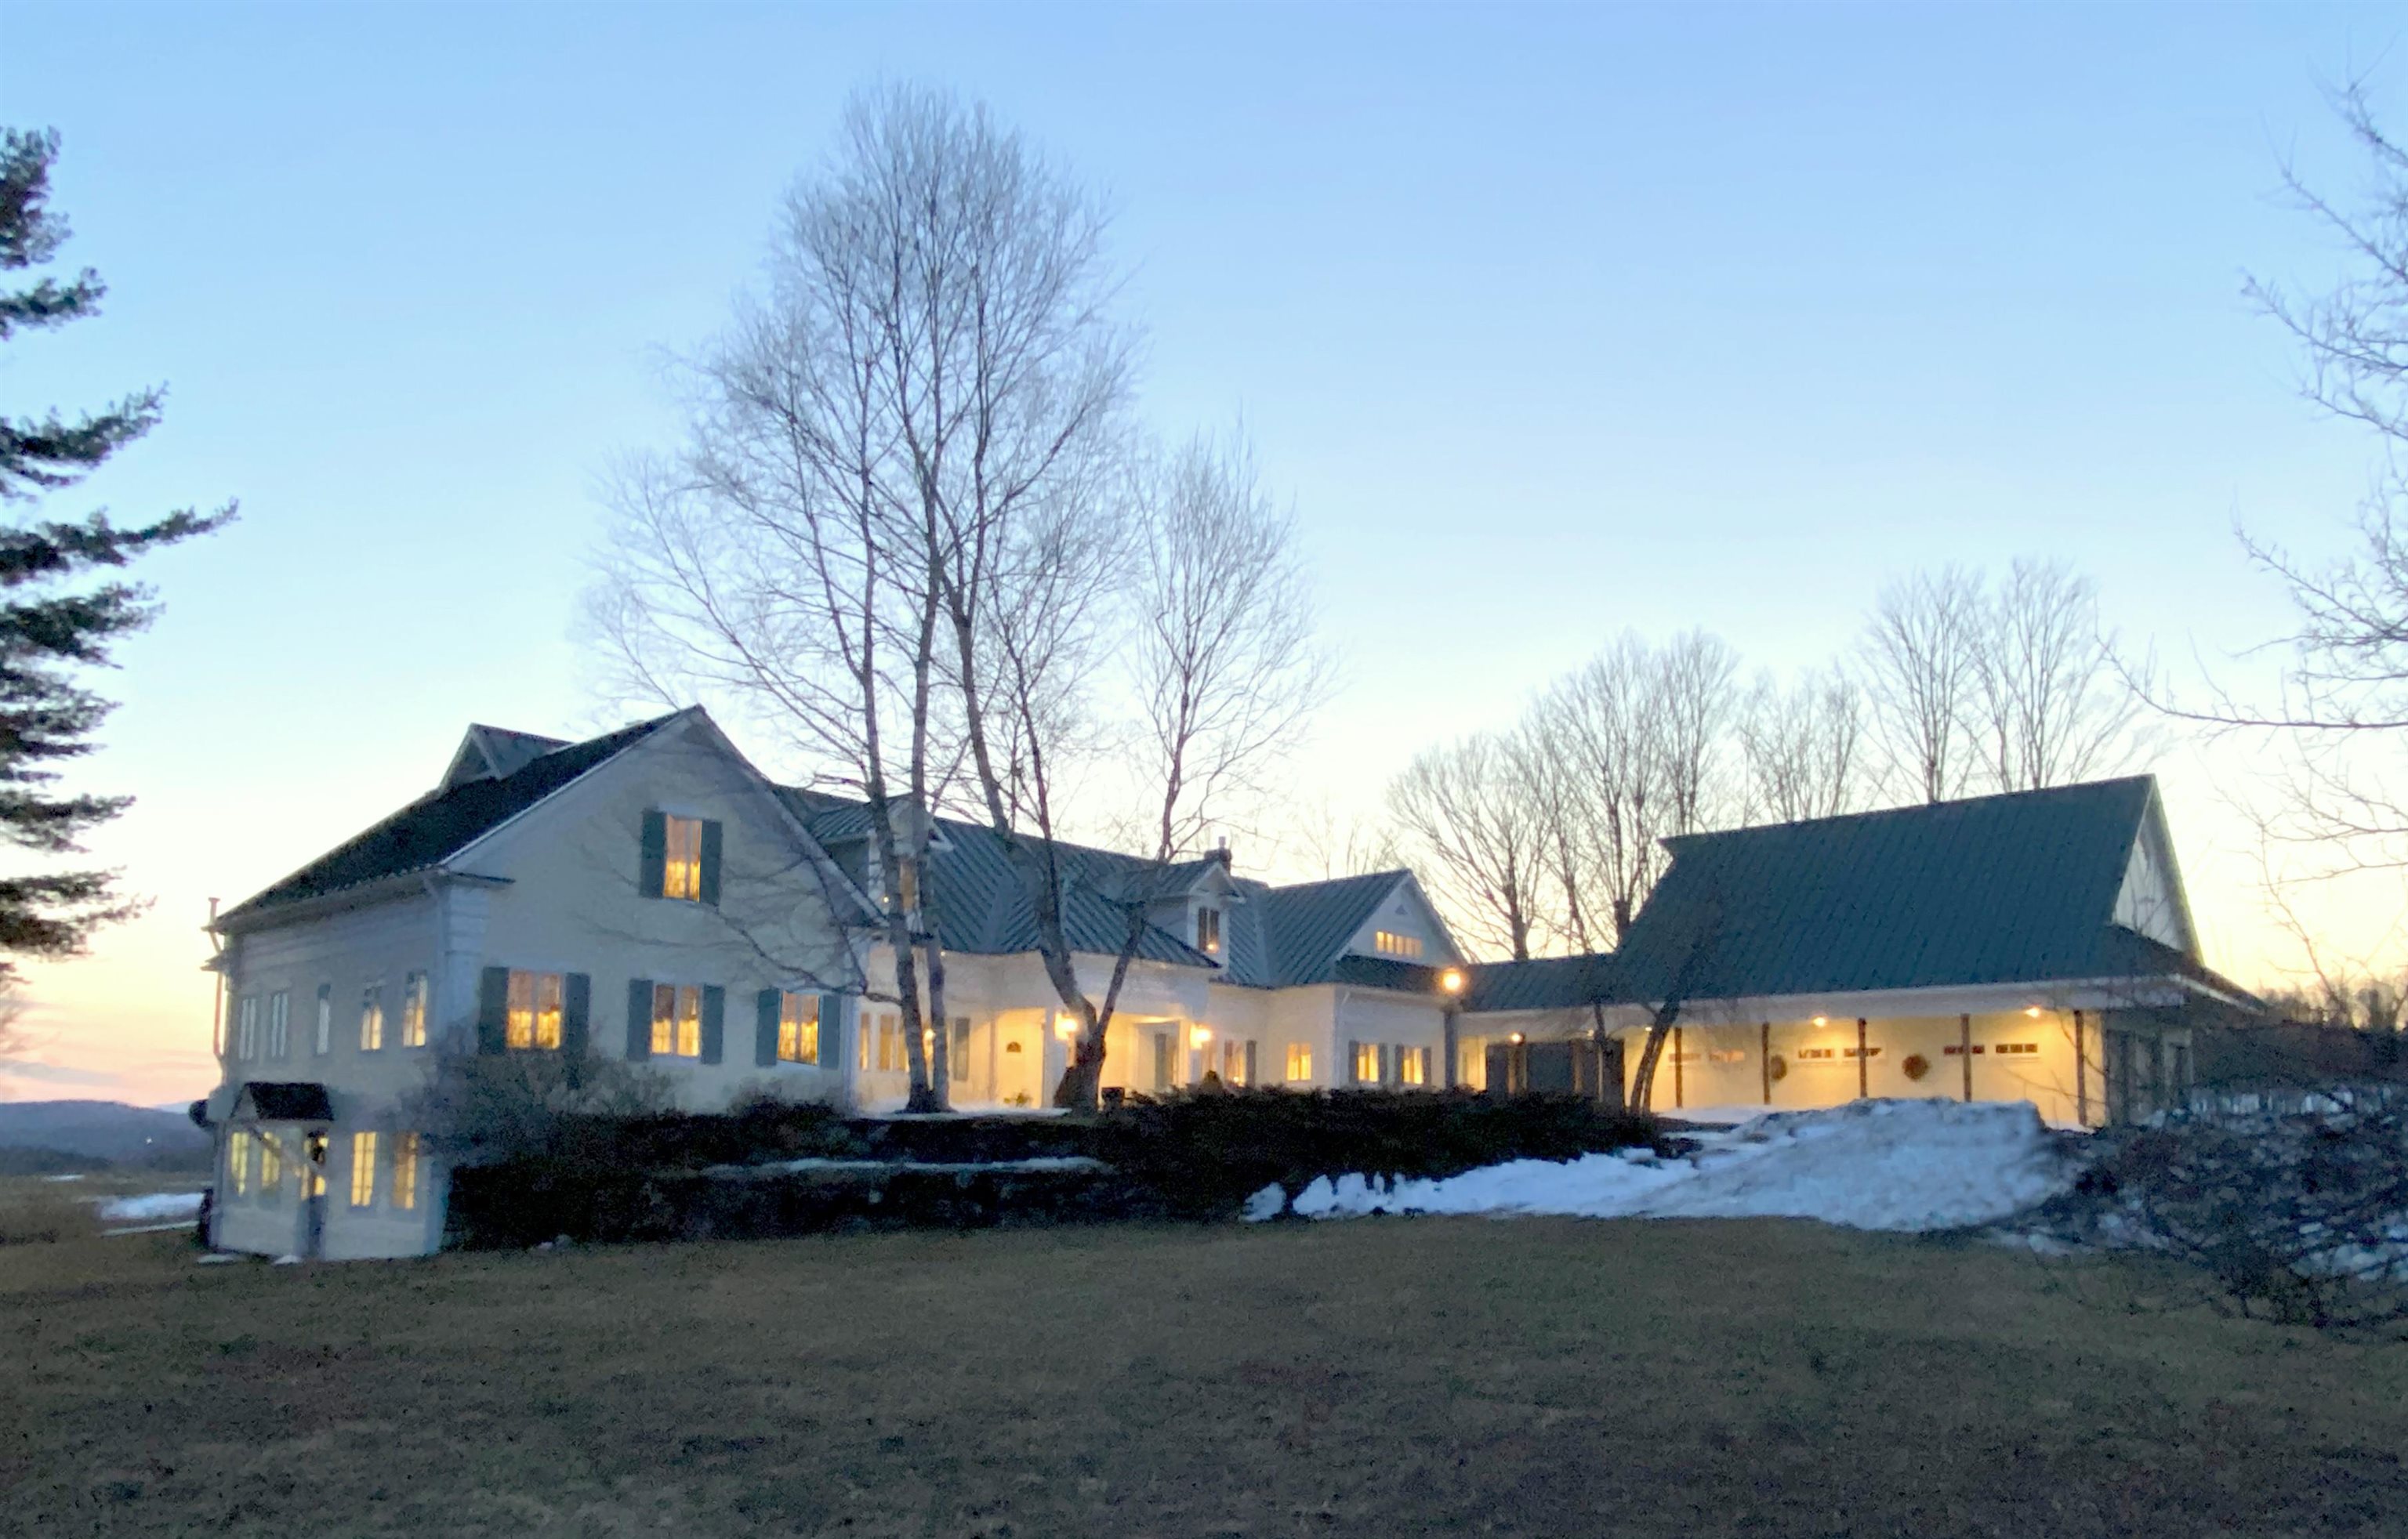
(1816, 1052)
(405, 1170)
(1237, 1062)
(239, 1161)
(326, 1018)
(1366, 1063)
(280, 1023)
(413, 1011)
(246, 1027)
(271, 1169)
(682, 875)
(363, 1169)
(957, 1053)
(891, 1055)
(1208, 930)
(798, 1028)
(677, 1018)
(372, 1018)
(1861, 1052)
(1412, 1065)
(2020, 1048)
(1165, 1075)
(1727, 1055)
(533, 1015)
(1952, 1050)
(1300, 1064)
(1388, 943)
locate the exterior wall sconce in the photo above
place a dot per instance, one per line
(2033, 1011)
(1515, 1039)
(1066, 1026)
(1451, 980)
(1199, 1036)
(1822, 1020)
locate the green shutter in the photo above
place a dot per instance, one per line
(831, 1031)
(652, 869)
(765, 1044)
(639, 1018)
(575, 1005)
(493, 1010)
(711, 839)
(714, 1021)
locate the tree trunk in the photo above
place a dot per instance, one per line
(1083, 1079)
(939, 1088)
(1642, 1083)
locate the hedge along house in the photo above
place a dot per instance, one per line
(648, 895)
(2033, 947)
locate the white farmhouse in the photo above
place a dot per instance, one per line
(649, 895)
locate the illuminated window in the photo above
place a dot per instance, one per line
(1953, 1050)
(1366, 1063)
(246, 1027)
(1816, 1052)
(1208, 930)
(677, 1020)
(363, 1169)
(1866, 1052)
(1237, 1062)
(2020, 1049)
(1390, 944)
(891, 1055)
(413, 1011)
(798, 1029)
(372, 1018)
(534, 1015)
(325, 1043)
(271, 1169)
(681, 877)
(1412, 1065)
(1727, 1055)
(405, 1170)
(239, 1161)
(1300, 1064)
(280, 1023)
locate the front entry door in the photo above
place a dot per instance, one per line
(1020, 1064)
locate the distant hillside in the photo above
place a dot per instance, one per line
(106, 1131)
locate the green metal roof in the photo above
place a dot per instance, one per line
(2012, 889)
(435, 827)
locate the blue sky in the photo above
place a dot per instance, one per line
(1550, 320)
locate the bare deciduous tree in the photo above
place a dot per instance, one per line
(1802, 746)
(931, 356)
(1206, 642)
(1470, 811)
(2051, 706)
(1920, 655)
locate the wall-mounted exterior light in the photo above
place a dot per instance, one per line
(1822, 1020)
(1066, 1026)
(1199, 1036)
(1515, 1039)
(2033, 1011)
(1451, 980)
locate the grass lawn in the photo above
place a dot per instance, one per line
(1379, 1378)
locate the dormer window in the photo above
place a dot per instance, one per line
(1388, 943)
(1208, 931)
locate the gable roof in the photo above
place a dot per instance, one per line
(439, 824)
(2012, 889)
(1272, 937)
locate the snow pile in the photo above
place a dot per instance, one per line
(151, 1207)
(1905, 1165)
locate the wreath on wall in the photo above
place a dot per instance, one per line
(1776, 1067)
(1916, 1066)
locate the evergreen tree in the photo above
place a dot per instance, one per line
(56, 622)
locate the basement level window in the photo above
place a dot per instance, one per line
(1388, 943)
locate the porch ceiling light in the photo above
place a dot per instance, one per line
(2032, 1010)
(1066, 1026)
(1199, 1035)
(1452, 980)
(1822, 1020)
(1515, 1039)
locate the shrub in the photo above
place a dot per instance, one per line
(2299, 1216)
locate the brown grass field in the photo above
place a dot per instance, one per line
(1379, 1378)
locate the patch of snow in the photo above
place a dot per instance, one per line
(156, 1205)
(216, 1258)
(1903, 1165)
(286, 1261)
(77, 1176)
(1265, 1204)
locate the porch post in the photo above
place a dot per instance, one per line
(1678, 1102)
(1864, 1086)
(1764, 1058)
(1965, 1050)
(2080, 1076)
